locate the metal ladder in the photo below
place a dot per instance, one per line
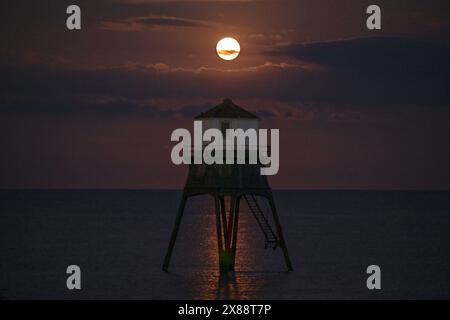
(269, 235)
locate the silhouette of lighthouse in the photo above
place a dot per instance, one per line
(236, 181)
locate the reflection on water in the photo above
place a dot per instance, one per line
(210, 283)
(227, 287)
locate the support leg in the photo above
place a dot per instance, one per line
(223, 214)
(280, 233)
(235, 231)
(173, 237)
(230, 221)
(222, 263)
(228, 254)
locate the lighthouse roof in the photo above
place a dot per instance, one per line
(227, 109)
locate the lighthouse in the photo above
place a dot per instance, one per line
(238, 181)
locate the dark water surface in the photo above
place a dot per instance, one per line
(119, 238)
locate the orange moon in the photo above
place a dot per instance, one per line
(228, 48)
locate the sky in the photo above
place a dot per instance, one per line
(95, 108)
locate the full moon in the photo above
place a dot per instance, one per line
(228, 48)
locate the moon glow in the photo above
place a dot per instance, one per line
(228, 48)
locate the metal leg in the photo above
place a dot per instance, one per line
(222, 263)
(235, 231)
(280, 232)
(230, 221)
(173, 237)
(223, 214)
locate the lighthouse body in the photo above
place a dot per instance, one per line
(239, 177)
(235, 181)
(227, 116)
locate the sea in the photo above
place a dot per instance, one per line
(118, 238)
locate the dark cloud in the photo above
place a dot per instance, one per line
(151, 22)
(391, 54)
(51, 89)
(388, 70)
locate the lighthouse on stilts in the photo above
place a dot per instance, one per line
(236, 181)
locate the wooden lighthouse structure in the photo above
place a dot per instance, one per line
(235, 181)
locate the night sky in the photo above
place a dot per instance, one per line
(94, 108)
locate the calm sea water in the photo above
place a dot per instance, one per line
(119, 238)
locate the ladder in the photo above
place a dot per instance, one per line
(269, 235)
